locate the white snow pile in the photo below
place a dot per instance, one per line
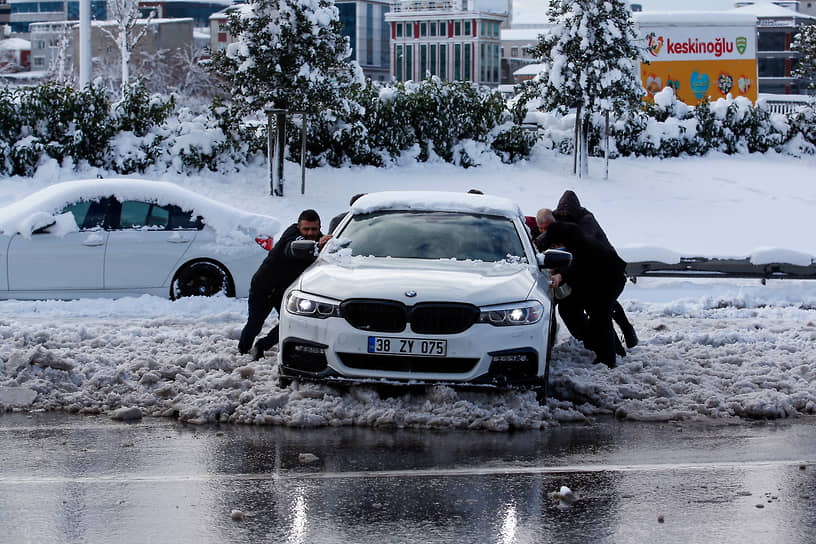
(709, 349)
(44, 207)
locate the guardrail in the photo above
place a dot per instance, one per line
(702, 267)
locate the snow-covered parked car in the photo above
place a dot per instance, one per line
(116, 237)
(423, 287)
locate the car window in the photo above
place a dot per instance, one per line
(180, 219)
(89, 214)
(433, 235)
(137, 214)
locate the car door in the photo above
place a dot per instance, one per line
(73, 261)
(146, 244)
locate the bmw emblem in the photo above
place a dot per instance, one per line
(410, 293)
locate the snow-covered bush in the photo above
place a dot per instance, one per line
(380, 123)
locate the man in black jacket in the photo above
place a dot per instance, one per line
(569, 209)
(276, 273)
(597, 276)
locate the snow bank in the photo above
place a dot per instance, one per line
(709, 349)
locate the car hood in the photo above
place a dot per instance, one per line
(473, 282)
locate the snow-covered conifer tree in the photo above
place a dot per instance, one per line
(288, 54)
(805, 43)
(591, 57)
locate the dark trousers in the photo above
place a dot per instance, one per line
(589, 319)
(260, 305)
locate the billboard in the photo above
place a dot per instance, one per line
(700, 60)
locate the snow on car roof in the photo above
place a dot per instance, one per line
(436, 201)
(42, 207)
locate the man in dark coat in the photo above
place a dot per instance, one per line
(279, 269)
(597, 276)
(569, 209)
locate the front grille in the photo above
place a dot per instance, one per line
(404, 363)
(443, 318)
(425, 317)
(375, 315)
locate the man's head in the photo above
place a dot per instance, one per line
(544, 218)
(309, 225)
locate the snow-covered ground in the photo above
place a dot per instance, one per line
(709, 348)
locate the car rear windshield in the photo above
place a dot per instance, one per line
(433, 235)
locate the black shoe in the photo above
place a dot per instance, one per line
(243, 350)
(619, 349)
(629, 335)
(599, 361)
(256, 352)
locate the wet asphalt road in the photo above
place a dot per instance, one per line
(87, 479)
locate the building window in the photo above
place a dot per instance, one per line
(39, 61)
(514, 52)
(409, 30)
(771, 68)
(457, 28)
(443, 61)
(432, 27)
(468, 48)
(423, 29)
(423, 61)
(467, 28)
(482, 66)
(369, 39)
(398, 71)
(771, 41)
(399, 30)
(443, 29)
(409, 62)
(457, 62)
(433, 60)
(496, 62)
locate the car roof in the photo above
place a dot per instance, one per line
(52, 199)
(443, 201)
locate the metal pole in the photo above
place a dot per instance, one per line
(606, 145)
(280, 146)
(84, 43)
(303, 156)
(270, 153)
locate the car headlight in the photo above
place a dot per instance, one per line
(517, 313)
(300, 303)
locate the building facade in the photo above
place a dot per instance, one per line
(445, 38)
(51, 47)
(364, 24)
(776, 27)
(515, 42)
(25, 12)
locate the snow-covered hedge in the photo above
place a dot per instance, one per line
(451, 121)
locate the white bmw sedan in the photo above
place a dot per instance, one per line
(423, 287)
(117, 237)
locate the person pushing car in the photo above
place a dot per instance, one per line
(278, 270)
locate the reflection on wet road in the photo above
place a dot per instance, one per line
(86, 479)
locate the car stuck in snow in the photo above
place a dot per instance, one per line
(423, 287)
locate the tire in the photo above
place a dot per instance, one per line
(284, 382)
(201, 278)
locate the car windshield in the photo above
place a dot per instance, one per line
(433, 235)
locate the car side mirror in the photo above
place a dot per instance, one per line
(554, 258)
(44, 228)
(303, 249)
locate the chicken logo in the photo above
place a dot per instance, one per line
(655, 45)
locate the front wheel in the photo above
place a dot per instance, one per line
(202, 279)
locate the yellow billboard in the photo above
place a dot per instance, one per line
(700, 59)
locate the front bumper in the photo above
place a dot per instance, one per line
(331, 350)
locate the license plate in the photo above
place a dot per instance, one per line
(407, 346)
